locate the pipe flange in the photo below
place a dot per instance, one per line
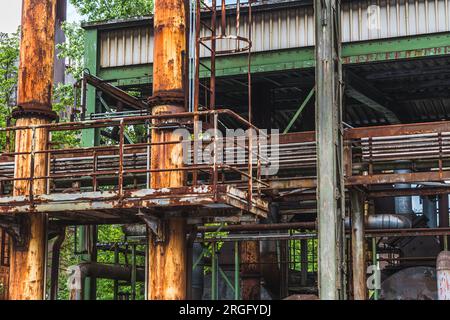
(34, 111)
(162, 98)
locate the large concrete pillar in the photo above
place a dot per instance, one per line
(34, 108)
(167, 256)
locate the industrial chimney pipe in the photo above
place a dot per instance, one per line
(34, 108)
(167, 256)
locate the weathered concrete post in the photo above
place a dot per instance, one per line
(167, 257)
(34, 108)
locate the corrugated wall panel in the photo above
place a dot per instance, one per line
(294, 28)
(126, 47)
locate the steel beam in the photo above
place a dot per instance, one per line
(296, 58)
(362, 91)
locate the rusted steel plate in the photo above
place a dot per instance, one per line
(398, 178)
(397, 130)
(91, 203)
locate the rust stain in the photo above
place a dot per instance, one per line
(37, 53)
(34, 93)
(167, 274)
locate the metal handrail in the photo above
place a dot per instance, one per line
(121, 167)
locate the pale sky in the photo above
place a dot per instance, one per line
(10, 13)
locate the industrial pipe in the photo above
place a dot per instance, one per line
(403, 205)
(109, 271)
(56, 252)
(167, 252)
(358, 246)
(80, 272)
(34, 92)
(384, 221)
(376, 221)
(260, 227)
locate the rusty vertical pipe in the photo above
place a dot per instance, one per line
(358, 246)
(56, 253)
(167, 256)
(34, 108)
(250, 270)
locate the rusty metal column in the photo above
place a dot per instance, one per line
(167, 255)
(34, 108)
(330, 185)
(358, 246)
(250, 270)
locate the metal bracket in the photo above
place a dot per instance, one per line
(16, 227)
(154, 224)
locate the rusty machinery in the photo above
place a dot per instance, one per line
(138, 176)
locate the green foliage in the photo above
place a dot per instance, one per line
(9, 54)
(63, 99)
(96, 10)
(9, 58)
(209, 245)
(105, 288)
(73, 49)
(295, 254)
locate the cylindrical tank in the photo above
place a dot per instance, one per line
(403, 205)
(443, 275)
(384, 221)
(430, 210)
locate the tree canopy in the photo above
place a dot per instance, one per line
(9, 53)
(95, 10)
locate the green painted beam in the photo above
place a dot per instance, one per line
(90, 137)
(396, 49)
(299, 111)
(130, 75)
(300, 58)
